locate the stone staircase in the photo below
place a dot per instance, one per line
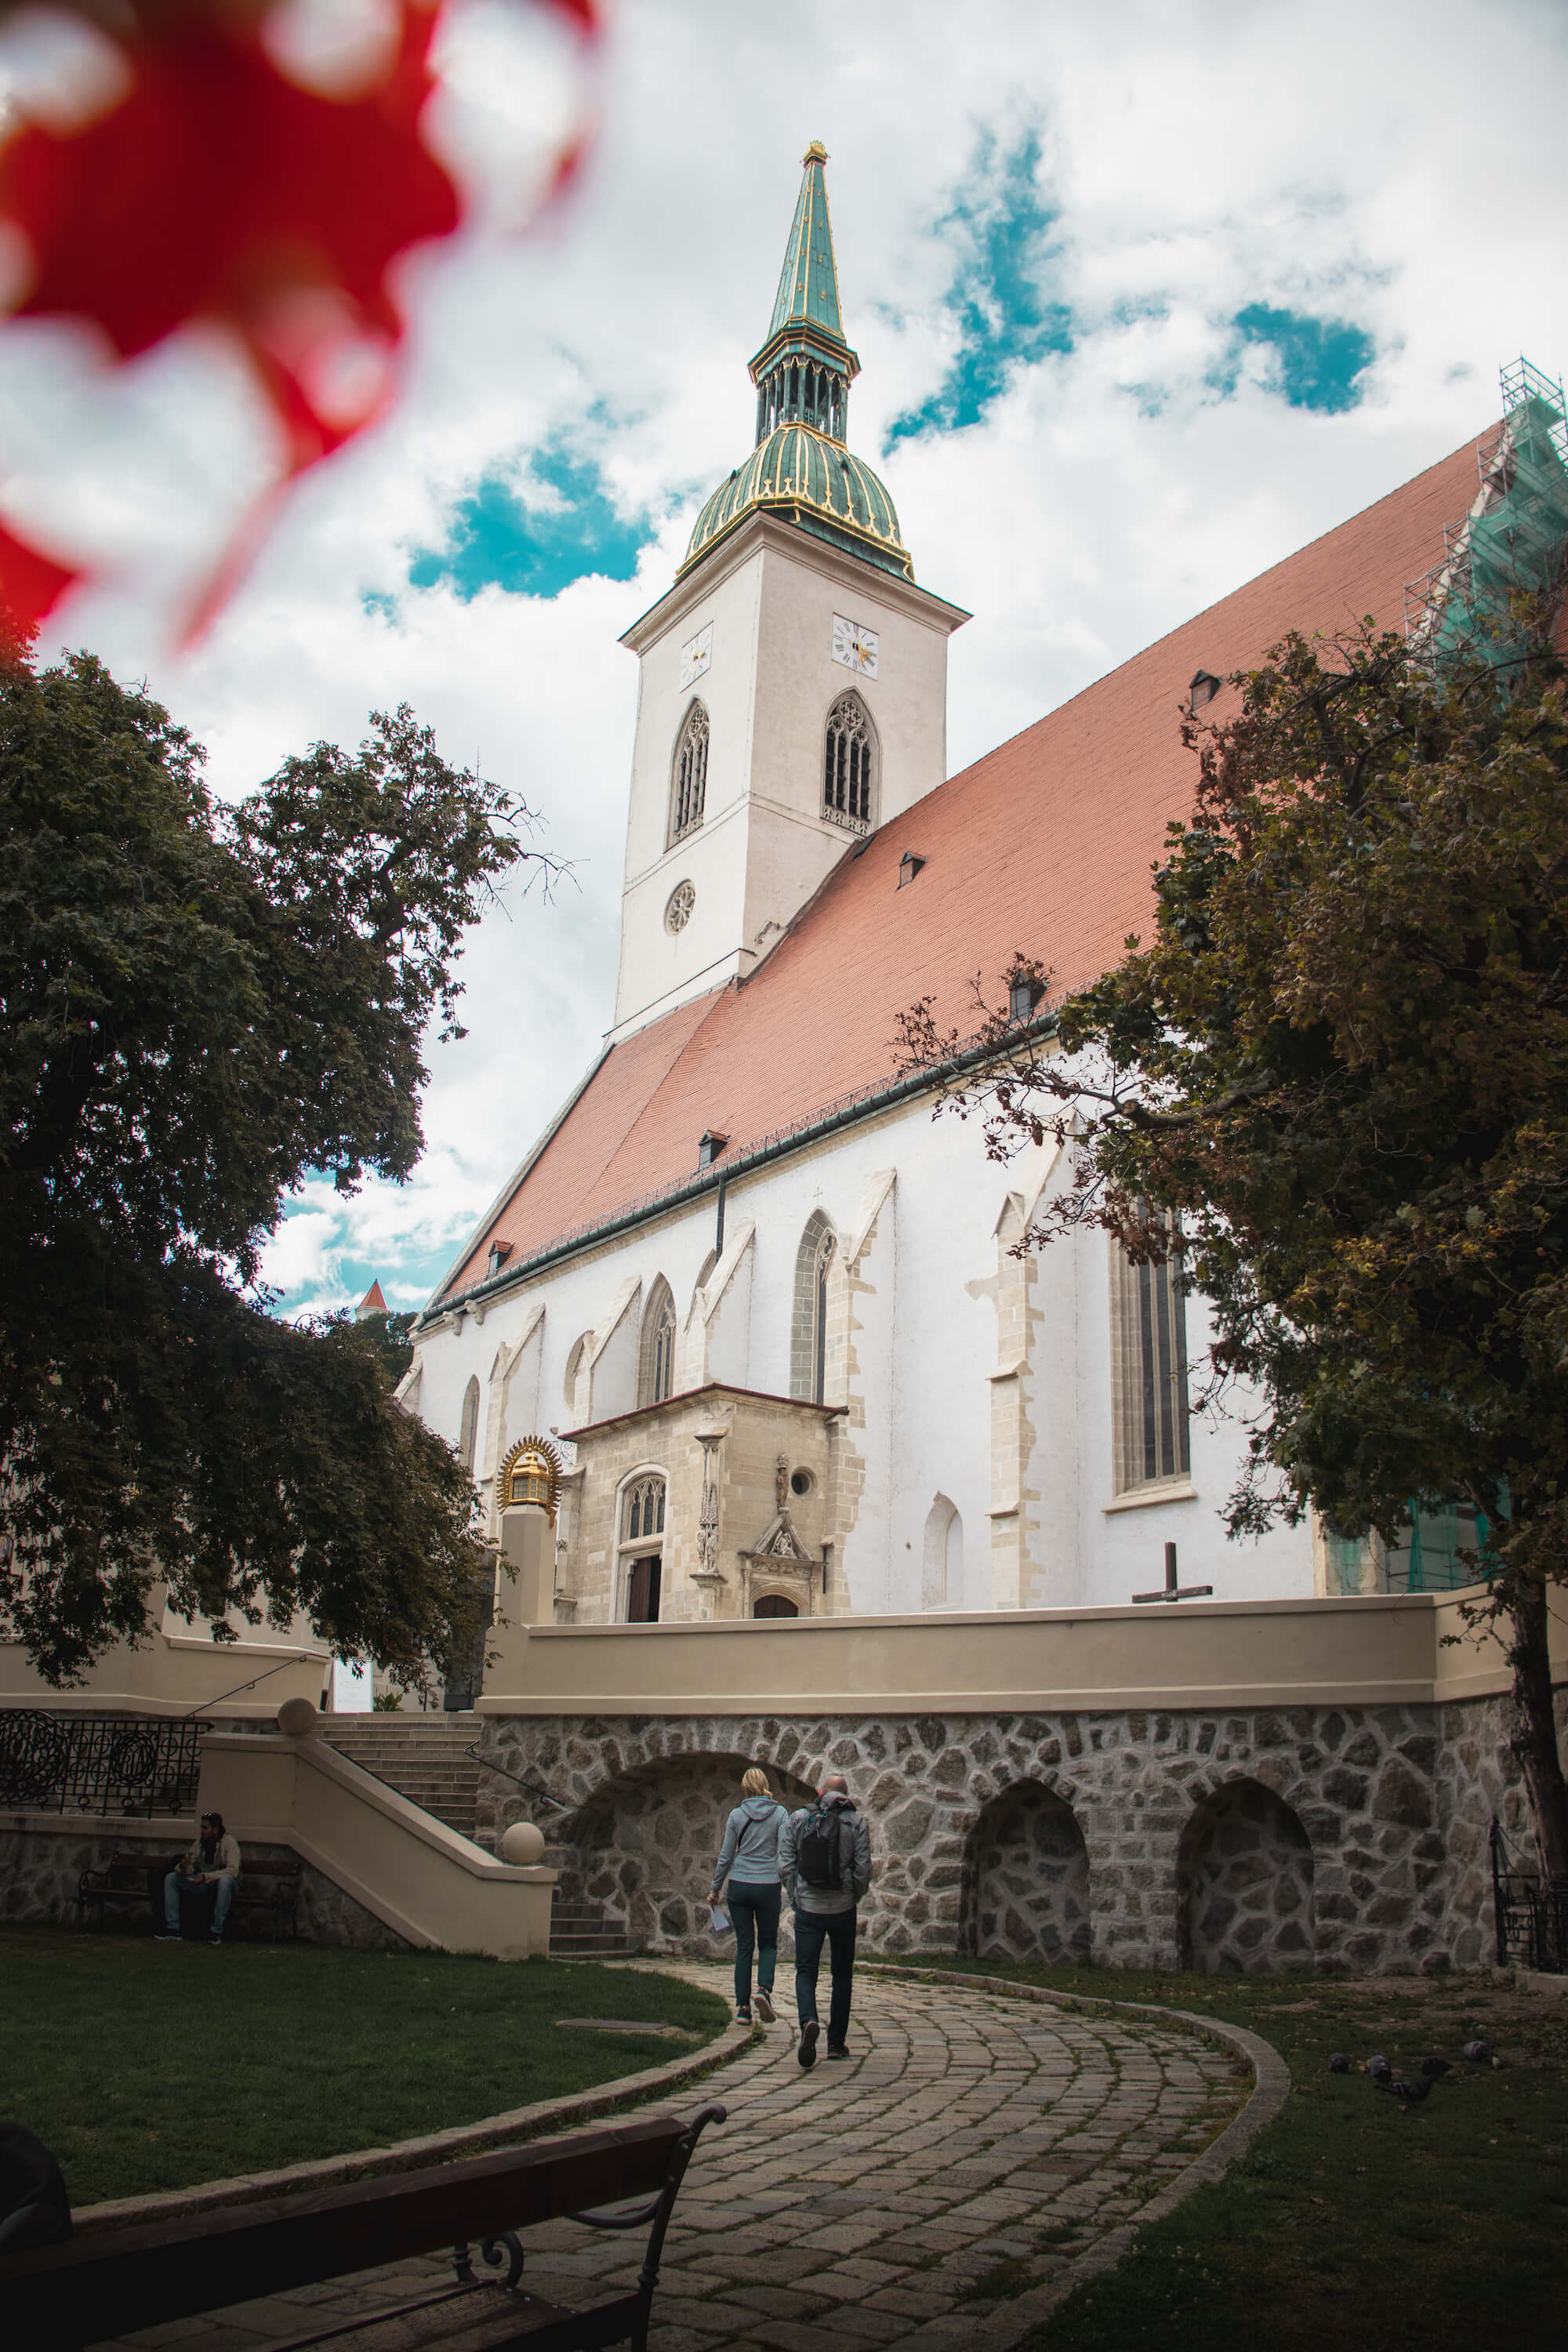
(579, 1931)
(420, 1756)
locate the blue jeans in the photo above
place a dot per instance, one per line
(836, 1929)
(755, 1915)
(176, 1884)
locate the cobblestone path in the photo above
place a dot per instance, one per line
(929, 2191)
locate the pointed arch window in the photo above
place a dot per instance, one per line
(848, 766)
(808, 1339)
(689, 787)
(656, 1370)
(642, 1546)
(1149, 1366)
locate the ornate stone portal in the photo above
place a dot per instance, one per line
(752, 1497)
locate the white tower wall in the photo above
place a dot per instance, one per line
(770, 594)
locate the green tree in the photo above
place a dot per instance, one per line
(202, 1004)
(1341, 1063)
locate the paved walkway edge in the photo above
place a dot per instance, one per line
(408, 2154)
(1270, 2088)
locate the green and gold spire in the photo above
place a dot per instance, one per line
(801, 469)
(804, 371)
(808, 282)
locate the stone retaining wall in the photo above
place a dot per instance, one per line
(1346, 1837)
(42, 1858)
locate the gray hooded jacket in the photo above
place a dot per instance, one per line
(750, 1853)
(853, 1857)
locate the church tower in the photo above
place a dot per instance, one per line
(794, 680)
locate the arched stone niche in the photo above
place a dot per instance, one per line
(1027, 1881)
(1244, 1876)
(643, 1848)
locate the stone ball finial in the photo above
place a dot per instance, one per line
(296, 1718)
(521, 1845)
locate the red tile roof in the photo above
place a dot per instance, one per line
(1044, 845)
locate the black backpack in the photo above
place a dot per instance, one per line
(819, 1850)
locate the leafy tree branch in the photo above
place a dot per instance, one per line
(201, 1005)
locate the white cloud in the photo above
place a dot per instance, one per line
(1197, 160)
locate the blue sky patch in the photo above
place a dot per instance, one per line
(496, 541)
(1001, 228)
(1318, 363)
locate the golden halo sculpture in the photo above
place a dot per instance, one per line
(530, 1474)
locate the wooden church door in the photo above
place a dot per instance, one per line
(642, 1593)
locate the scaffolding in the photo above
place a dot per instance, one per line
(1513, 542)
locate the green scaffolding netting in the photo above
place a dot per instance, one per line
(1517, 545)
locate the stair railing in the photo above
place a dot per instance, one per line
(506, 1772)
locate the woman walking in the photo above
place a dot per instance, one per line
(749, 1858)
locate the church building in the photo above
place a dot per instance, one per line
(767, 1308)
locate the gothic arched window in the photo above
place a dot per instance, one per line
(808, 1337)
(849, 764)
(688, 788)
(642, 1546)
(656, 1369)
(645, 1508)
(1148, 1366)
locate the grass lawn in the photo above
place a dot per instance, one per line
(1349, 2227)
(147, 2066)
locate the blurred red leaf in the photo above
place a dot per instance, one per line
(30, 586)
(219, 189)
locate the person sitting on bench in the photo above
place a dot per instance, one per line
(212, 1860)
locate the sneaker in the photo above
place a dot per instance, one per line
(214, 1939)
(836, 2050)
(806, 2054)
(742, 2014)
(167, 1936)
(765, 2009)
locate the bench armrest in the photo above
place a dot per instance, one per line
(658, 2209)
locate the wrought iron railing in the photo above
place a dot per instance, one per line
(1531, 1911)
(98, 1763)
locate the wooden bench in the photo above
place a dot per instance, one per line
(62, 2298)
(132, 1880)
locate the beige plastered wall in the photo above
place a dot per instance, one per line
(409, 1870)
(175, 1675)
(1388, 1651)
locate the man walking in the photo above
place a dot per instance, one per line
(825, 1862)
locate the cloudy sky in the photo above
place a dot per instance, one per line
(1145, 297)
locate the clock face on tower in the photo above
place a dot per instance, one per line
(696, 656)
(854, 646)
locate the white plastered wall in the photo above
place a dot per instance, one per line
(921, 1293)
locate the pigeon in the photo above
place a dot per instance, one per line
(1338, 2062)
(1433, 2067)
(1381, 2073)
(1410, 2094)
(1479, 2053)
